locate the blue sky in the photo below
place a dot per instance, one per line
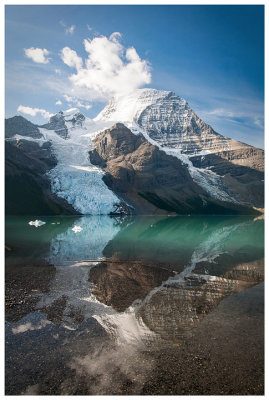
(210, 55)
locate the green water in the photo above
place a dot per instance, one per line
(170, 240)
(100, 310)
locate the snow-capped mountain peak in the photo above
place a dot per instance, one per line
(63, 121)
(129, 107)
(167, 119)
(75, 116)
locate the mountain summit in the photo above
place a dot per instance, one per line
(169, 120)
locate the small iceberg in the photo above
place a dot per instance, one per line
(77, 228)
(36, 223)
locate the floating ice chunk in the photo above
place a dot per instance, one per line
(36, 223)
(77, 228)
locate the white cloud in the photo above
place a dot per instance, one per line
(71, 58)
(37, 55)
(77, 102)
(115, 36)
(67, 98)
(111, 70)
(58, 103)
(34, 111)
(70, 30)
(89, 27)
(58, 71)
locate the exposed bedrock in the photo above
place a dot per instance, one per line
(150, 180)
(169, 120)
(245, 182)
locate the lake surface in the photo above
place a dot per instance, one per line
(135, 305)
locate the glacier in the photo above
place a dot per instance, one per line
(74, 178)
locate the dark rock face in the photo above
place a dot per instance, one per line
(27, 188)
(245, 182)
(248, 156)
(57, 124)
(58, 121)
(20, 126)
(151, 180)
(119, 284)
(41, 154)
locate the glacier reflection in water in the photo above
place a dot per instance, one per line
(87, 244)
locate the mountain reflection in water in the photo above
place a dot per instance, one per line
(130, 282)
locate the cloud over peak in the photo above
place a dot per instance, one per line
(110, 69)
(75, 101)
(34, 111)
(37, 55)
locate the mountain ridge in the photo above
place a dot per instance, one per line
(225, 169)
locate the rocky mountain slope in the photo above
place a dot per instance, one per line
(27, 188)
(150, 180)
(20, 126)
(169, 120)
(161, 159)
